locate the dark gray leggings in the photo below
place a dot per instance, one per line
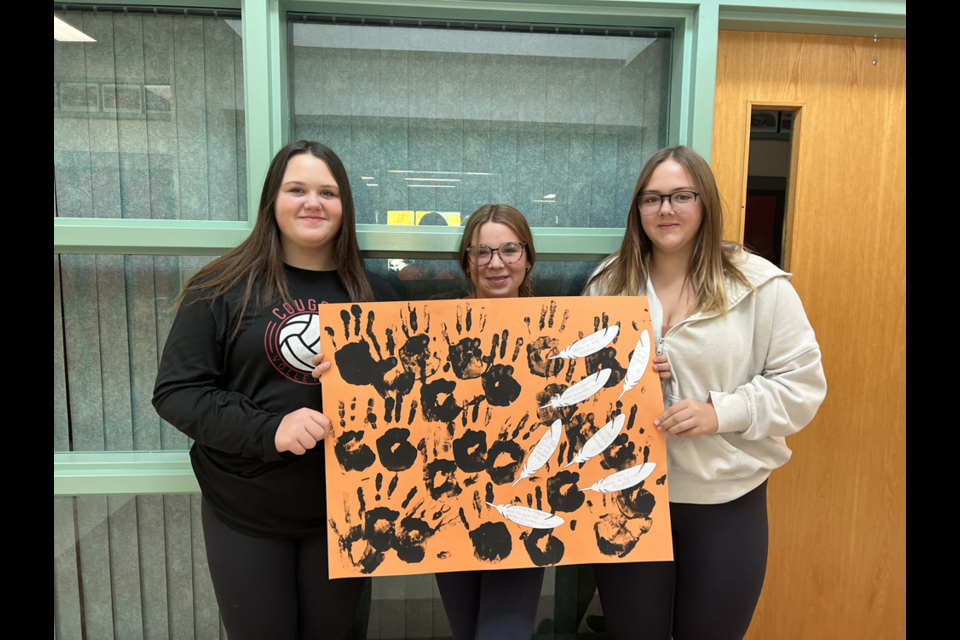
(492, 605)
(710, 592)
(277, 589)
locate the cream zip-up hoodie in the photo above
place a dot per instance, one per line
(760, 366)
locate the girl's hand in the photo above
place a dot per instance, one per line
(689, 419)
(321, 366)
(300, 431)
(661, 366)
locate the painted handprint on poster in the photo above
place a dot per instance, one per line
(492, 434)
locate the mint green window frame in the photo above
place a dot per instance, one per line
(696, 27)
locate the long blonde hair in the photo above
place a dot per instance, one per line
(506, 215)
(713, 260)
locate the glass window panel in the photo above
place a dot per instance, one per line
(430, 119)
(131, 566)
(148, 121)
(136, 566)
(117, 313)
(443, 279)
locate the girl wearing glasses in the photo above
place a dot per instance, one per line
(747, 373)
(497, 256)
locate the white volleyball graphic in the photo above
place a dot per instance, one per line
(299, 341)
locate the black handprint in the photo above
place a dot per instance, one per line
(352, 454)
(438, 402)
(563, 492)
(606, 359)
(500, 387)
(504, 461)
(470, 452)
(355, 361)
(539, 353)
(492, 542)
(543, 547)
(396, 452)
(466, 358)
(439, 476)
(617, 536)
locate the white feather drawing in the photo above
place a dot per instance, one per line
(601, 441)
(625, 479)
(589, 345)
(530, 518)
(638, 364)
(589, 386)
(542, 453)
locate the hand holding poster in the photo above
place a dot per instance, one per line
(492, 434)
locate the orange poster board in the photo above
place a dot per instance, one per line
(493, 434)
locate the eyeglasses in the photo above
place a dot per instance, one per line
(509, 252)
(680, 202)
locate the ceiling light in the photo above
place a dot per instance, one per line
(368, 178)
(550, 197)
(433, 180)
(431, 186)
(63, 32)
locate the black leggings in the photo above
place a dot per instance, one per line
(492, 605)
(710, 592)
(277, 589)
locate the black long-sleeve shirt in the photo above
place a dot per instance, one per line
(230, 393)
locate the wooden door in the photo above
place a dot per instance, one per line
(838, 509)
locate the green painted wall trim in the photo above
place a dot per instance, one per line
(263, 65)
(147, 237)
(706, 24)
(579, 245)
(116, 473)
(186, 238)
(833, 24)
(195, 4)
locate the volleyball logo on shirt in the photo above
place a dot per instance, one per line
(292, 342)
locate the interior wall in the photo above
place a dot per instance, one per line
(838, 509)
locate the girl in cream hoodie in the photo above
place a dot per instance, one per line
(746, 374)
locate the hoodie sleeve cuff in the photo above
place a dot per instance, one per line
(733, 412)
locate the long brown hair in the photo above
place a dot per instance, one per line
(258, 262)
(505, 215)
(712, 261)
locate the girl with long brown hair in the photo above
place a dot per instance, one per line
(746, 373)
(236, 377)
